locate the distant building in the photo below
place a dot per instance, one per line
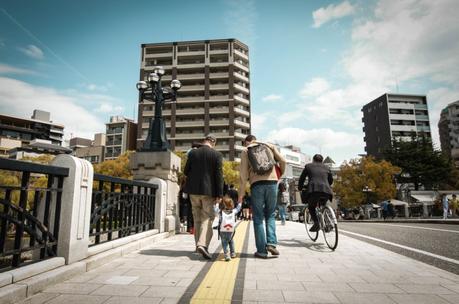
(39, 126)
(36, 148)
(91, 150)
(6, 144)
(215, 93)
(448, 128)
(121, 136)
(296, 160)
(394, 116)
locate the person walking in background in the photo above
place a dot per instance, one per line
(204, 184)
(258, 166)
(445, 204)
(246, 207)
(283, 199)
(319, 184)
(454, 205)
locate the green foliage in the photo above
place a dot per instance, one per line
(356, 174)
(118, 167)
(420, 162)
(231, 172)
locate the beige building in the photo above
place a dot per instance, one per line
(448, 128)
(121, 136)
(215, 93)
(91, 150)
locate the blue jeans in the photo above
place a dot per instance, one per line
(282, 208)
(264, 202)
(227, 240)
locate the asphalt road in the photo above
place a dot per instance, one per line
(438, 239)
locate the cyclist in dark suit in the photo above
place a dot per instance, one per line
(318, 188)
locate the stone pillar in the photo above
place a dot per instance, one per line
(152, 166)
(73, 239)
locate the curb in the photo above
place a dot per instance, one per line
(422, 221)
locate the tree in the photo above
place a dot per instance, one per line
(357, 174)
(231, 172)
(420, 162)
(118, 167)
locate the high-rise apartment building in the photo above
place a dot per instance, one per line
(394, 116)
(448, 127)
(121, 136)
(91, 150)
(215, 93)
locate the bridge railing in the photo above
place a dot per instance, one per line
(120, 207)
(30, 211)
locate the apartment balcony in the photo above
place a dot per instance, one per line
(241, 88)
(150, 68)
(218, 52)
(402, 128)
(423, 128)
(190, 53)
(145, 125)
(239, 135)
(242, 67)
(422, 117)
(59, 131)
(238, 147)
(182, 148)
(190, 65)
(189, 123)
(218, 75)
(218, 64)
(221, 134)
(222, 148)
(158, 55)
(420, 107)
(223, 86)
(402, 106)
(219, 110)
(242, 55)
(192, 88)
(190, 76)
(219, 122)
(190, 111)
(190, 99)
(403, 138)
(167, 112)
(218, 98)
(242, 112)
(241, 77)
(242, 100)
(402, 116)
(148, 113)
(198, 136)
(241, 124)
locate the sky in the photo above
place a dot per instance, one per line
(313, 64)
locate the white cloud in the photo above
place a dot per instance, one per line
(8, 69)
(21, 98)
(314, 87)
(33, 51)
(109, 108)
(98, 87)
(272, 97)
(336, 144)
(258, 120)
(332, 12)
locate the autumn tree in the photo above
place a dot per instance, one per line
(231, 172)
(118, 167)
(356, 174)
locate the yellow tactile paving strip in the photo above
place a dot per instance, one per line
(218, 284)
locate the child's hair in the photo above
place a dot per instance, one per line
(228, 203)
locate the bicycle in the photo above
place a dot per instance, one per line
(327, 222)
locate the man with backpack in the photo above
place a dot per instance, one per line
(258, 166)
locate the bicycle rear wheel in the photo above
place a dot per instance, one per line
(308, 222)
(330, 228)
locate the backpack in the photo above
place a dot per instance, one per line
(227, 221)
(261, 159)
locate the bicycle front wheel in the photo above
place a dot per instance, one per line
(330, 228)
(308, 223)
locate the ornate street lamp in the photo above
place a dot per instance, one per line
(367, 191)
(153, 91)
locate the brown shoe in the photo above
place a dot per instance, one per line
(203, 251)
(272, 250)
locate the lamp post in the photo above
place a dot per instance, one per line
(152, 90)
(367, 191)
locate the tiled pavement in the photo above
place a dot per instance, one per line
(305, 272)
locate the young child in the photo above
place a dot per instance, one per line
(227, 223)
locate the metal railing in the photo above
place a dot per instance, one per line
(120, 207)
(30, 210)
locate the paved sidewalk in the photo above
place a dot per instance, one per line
(305, 272)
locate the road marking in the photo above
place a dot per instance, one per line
(416, 227)
(218, 284)
(440, 257)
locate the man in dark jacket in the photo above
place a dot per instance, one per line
(204, 183)
(318, 188)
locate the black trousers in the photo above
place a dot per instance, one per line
(312, 199)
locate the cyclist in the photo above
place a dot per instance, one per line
(318, 188)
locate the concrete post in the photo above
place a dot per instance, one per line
(73, 237)
(146, 166)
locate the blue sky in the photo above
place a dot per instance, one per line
(313, 63)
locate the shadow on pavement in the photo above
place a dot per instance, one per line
(319, 247)
(173, 253)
